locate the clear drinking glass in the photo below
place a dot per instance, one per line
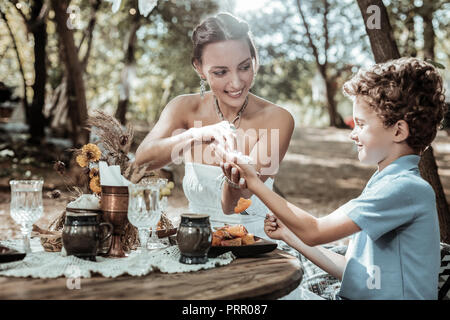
(143, 210)
(26, 206)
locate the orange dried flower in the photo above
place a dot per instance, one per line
(94, 185)
(93, 173)
(91, 152)
(82, 160)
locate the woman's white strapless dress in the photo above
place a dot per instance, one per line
(202, 185)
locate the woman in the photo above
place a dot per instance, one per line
(229, 118)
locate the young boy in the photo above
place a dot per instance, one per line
(394, 250)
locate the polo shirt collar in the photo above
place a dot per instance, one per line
(403, 163)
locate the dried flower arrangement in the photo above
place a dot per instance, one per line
(113, 146)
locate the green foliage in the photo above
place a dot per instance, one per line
(406, 17)
(163, 50)
(288, 66)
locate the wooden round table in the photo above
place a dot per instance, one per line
(267, 276)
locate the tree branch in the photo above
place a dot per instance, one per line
(15, 2)
(19, 61)
(90, 31)
(340, 71)
(308, 34)
(25, 19)
(4, 52)
(326, 34)
(32, 22)
(40, 19)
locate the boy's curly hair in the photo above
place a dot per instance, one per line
(403, 89)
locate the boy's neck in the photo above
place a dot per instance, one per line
(398, 152)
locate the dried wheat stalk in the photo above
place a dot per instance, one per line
(116, 143)
(113, 138)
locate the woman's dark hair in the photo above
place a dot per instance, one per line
(221, 27)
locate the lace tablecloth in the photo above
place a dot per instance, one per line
(41, 264)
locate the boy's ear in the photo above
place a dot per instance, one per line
(401, 131)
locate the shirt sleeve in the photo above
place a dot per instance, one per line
(387, 208)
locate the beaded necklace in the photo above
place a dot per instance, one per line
(238, 116)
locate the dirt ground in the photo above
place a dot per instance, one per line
(319, 173)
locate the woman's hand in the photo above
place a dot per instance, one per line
(219, 133)
(274, 228)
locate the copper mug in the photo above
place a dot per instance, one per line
(114, 205)
(194, 238)
(81, 235)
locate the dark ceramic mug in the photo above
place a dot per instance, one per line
(194, 238)
(82, 234)
(104, 245)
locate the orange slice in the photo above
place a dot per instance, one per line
(248, 239)
(233, 242)
(237, 230)
(242, 205)
(216, 241)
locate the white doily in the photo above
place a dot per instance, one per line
(41, 264)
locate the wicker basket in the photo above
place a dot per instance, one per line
(50, 240)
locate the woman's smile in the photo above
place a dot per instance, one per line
(234, 94)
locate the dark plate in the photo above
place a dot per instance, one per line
(10, 255)
(259, 247)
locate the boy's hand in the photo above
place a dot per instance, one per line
(237, 167)
(243, 174)
(274, 228)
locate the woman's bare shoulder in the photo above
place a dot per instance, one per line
(188, 102)
(274, 114)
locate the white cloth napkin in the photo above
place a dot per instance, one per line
(111, 176)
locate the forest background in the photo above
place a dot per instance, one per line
(62, 60)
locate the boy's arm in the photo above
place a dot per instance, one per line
(281, 128)
(307, 228)
(329, 261)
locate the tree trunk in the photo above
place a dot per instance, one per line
(429, 171)
(38, 28)
(381, 39)
(124, 90)
(336, 119)
(428, 167)
(426, 12)
(411, 41)
(74, 71)
(384, 48)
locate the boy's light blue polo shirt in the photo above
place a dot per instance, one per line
(396, 254)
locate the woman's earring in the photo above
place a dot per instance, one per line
(202, 87)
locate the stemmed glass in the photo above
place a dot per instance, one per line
(26, 206)
(143, 210)
(154, 242)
